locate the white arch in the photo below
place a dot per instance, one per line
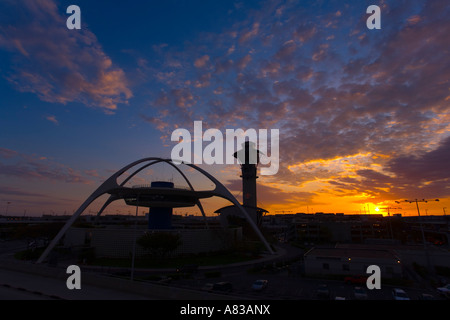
(114, 197)
(111, 184)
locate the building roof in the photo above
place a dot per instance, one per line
(261, 210)
(350, 253)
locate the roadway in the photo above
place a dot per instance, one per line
(18, 285)
(8, 293)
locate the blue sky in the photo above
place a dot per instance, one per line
(351, 104)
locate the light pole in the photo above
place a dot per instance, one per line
(445, 216)
(390, 225)
(7, 206)
(421, 228)
(134, 239)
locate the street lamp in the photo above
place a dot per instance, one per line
(421, 226)
(7, 206)
(134, 239)
(417, 202)
(390, 225)
(445, 216)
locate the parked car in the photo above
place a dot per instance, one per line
(223, 286)
(399, 294)
(444, 291)
(360, 293)
(259, 285)
(323, 292)
(355, 279)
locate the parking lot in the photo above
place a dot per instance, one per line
(285, 286)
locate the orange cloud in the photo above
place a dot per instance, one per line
(60, 66)
(52, 119)
(201, 62)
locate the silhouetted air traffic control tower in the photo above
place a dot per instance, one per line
(249, 159)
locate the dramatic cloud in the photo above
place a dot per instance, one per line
(363, 115)
(31, 167)
(57, 64)
(7, 153)
(201, 62)
(269, 196)
(17, 192)
(28, 201)
(334, 90)
(414, 176)
(433, 165)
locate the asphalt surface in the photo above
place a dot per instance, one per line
(285, 286)
(9, 293)
(19, 285)
(282, 283)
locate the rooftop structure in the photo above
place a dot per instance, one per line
(352, 261)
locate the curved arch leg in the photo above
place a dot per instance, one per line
(199, 205)
(107, 185)
(107, 203)
(65, 228)
(250, 220)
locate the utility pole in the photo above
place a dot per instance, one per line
(421, 228)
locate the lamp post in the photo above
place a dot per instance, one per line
(445, 216)
(390, 225)
(421, 227)
(134, 240)
(7, 206)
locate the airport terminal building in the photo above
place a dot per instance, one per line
(350, 260)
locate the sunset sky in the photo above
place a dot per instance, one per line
(363, 114)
